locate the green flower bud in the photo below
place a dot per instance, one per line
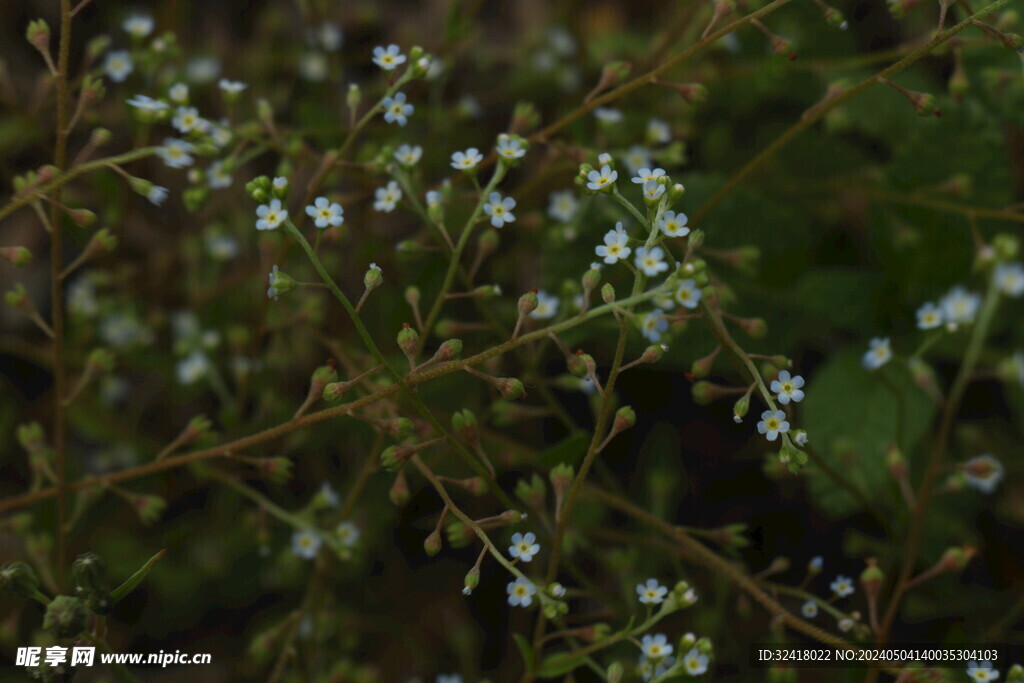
(374, 278)
(561, 476)
(17, 298)
(354, 96)
(65, 616)
(280, 283)
(528, 303)
(471, 581)
(18, 256)
(625, 417)
(871, 578)
(83, 218)
(17, 580)
(608, 293)
(459, 535)
(740, 408)
(511, 517)
(449, 350)
(432, 544)
(1015, 674)
(31, 437)
(90, 572)
(393, 458)
(510, 388)
(408, 339)
(591, 279)
(277, 470)
(101, 360)
(148, 507)
(38, 35)
(1006, 246)
(399, 491)
(531, 492)
(335, 390)
(615, 672)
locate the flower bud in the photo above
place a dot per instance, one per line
(740, 408)
(459, 535)
(432, 543)
(528, 303)
(354, 96)
(895, 462)
(65, 616)
(18, 256)
(511, 517)
(448, 351)
(653, 353)
(693, 93)
(408, 340)
(17, 580)
(510, 388)
(488, 243)
(149, 508)
(280, 283)
(608, 293)
(531, 492)
(83, 218)
(625, 417)
(277, 469)
(464, 425)
(756, 328)
(591, 279)
(399, 491)
(393, 458)
(615, 672)
(412, 296)
(31, 437)
(1005, 246)
(335, 390)
(373, 278)
(17, 298)
(955, 559)
(871, 579)
(1015, 674)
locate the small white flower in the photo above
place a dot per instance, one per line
(809, 609)
(557, 590)
(467, 160)
(982, 672)
(157, 195)
(655, 647)
(788, 387)
(280, 183)
(222, 247)
(878, 354)
(653, 325)
(645, 175)
(960, 306)
(219, 175)
(687, 294)
(547, 306)
(138, 25)
(305, 544)
(348, 534)
(434, 198)
(674, 224)
(801, 438)
(388, 58)
(329, 35)
(772, 424)
(842, 586)
(695, 663)
(562, 205)
(984, 472)
(178, 93)
(118, 65)
(148, 104)
(500, 210)
(271, 215)
(523, 547)
(324, 213)
(1010, 278)
(176, 153)
(187, 119)
(314, 67)
(231, 87)
(603, 178)
(658, 131)
(408, 155)
(636, 158)
(929, 316)
(396, 110)
(614, 247)
(520, 592)
(651, 593)
(607, 115)
(387, 197)
(651, 262)
(653, 190)
(193, 368)
(509, 147)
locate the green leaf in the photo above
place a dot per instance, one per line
(568, 450)
(559, 664)
(525, 649)
(852, 415)
(135, 579)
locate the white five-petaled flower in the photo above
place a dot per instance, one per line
(983, 472)
(523, 547)
(654, 324)
(1010, 278)
(219, 175)
(652, 592)
(270, 216)
(842, 586)
(306, 543)
(614, 247)
(157, 195)
(118, 65)
(467, 160)
(176, 153)
(509, 147)
(324, 213)
(387, 197)
(231, 87)
(787, 387)
(396, 110)
(878, 354)
(520, 592)
(138, 25)
(929, 316)
(960, 306)
(193, 367)
(656, 646)
(637, 157)
(562, 205)
(695, 663)
(608, 115)
(178, 93)
(347, 533)
(644, 175)
(658, 131)
(809, 609)
(500, 210)
(408, 155)
(148, 104)
(772, 424)
(187, 119)
(687, 294)
(653, 190)
(547, 306)
(601, 179)
(982, 672)
(652, 261)
(388, 58)
(674, 224)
